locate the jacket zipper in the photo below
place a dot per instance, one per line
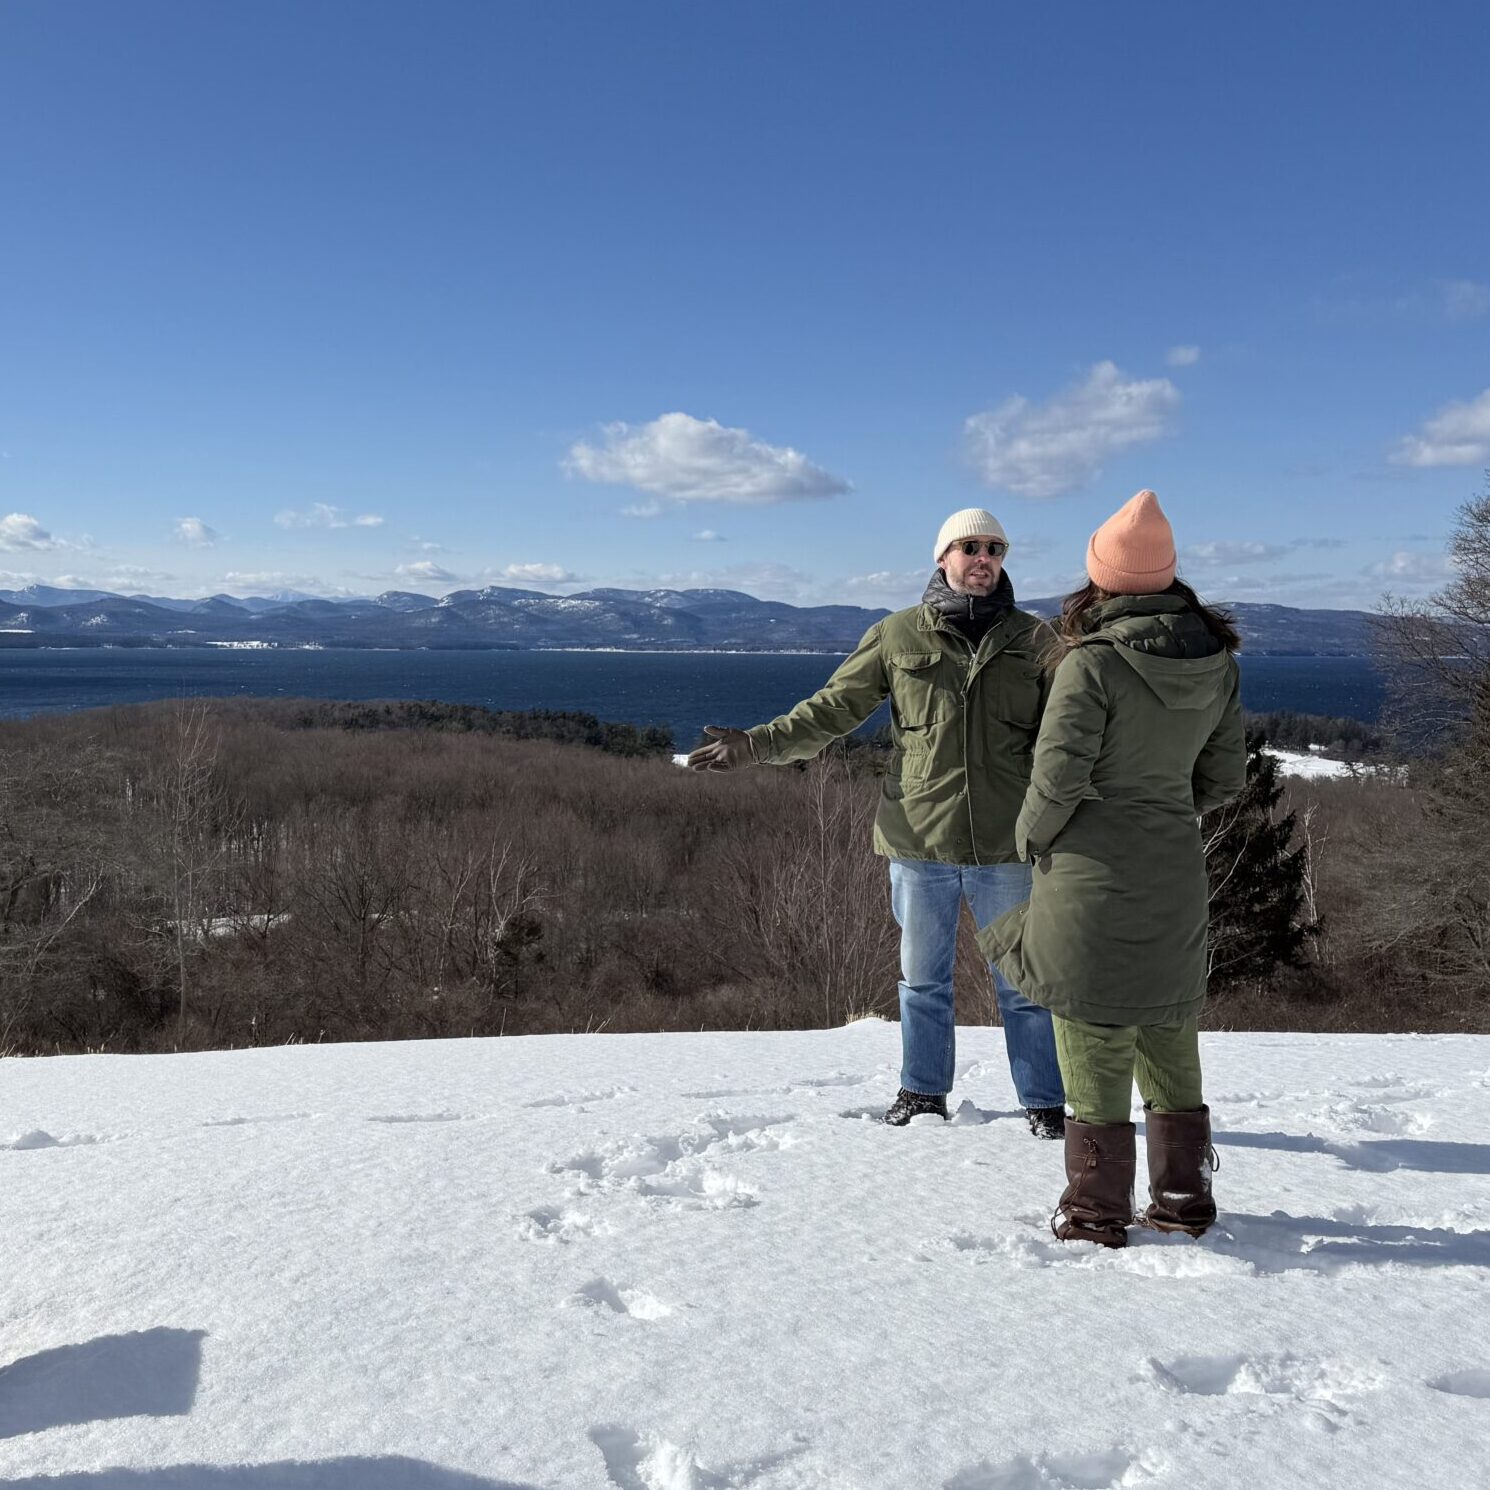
(967, 683)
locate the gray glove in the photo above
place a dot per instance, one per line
(732, 748)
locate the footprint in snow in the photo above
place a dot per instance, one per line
(39, 1138)
(1107, 1469)
(1371, 1117)
(423, 1117)
(672, 1166)
(552, 1223)
(268, 1117)
(1471, 1383)
(635, 1461)
(603, 1295)
(1328, 1388)
(581, 1099)
(727, 1093)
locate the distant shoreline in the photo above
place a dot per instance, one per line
(221, 648)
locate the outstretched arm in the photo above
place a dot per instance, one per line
(728, 750)
(840, 706)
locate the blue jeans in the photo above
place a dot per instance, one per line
(926, 898)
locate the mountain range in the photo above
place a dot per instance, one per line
(500, 618)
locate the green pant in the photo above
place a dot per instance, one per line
(1099, 1063)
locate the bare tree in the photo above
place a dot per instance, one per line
(1438, 657)
(193, 825)
(814, 900)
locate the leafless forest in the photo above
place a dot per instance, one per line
(232, 873)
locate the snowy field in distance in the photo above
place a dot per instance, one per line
(687, 1262)
(1293, 763)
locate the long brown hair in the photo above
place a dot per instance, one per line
(1071, 624)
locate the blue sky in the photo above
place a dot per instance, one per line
(346, 297)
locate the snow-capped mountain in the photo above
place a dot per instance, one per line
(500, 617)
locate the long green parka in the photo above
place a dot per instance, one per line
(963, 722)
(1142, 733)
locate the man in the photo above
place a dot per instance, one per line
(963, 674)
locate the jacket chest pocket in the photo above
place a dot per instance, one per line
(913, 688)
(1016, 692)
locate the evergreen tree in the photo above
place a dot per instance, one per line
(1257, 878)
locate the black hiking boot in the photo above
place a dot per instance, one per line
(912, 1104)
(1046, 1122)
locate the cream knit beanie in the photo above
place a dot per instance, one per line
(971, 522)
(1132, 553)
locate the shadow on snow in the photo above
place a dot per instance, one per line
(384, 1473)
(1280, 1242)
(152, 1373)
(1375, 1155)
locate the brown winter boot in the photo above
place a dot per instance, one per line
(1097, 1204)
(1181, 1160)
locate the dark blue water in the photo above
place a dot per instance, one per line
(681, 691)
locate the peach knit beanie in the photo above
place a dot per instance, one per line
(1132, 553)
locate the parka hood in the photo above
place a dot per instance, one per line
(1167, 644)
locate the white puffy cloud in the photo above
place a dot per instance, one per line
(1209, 554)
(20, 531)
(1182, 356)
(708, 535)
(1458, 435)
(545, 574)
(683, 459)
(1047, 450)
(651, 508)
(323, 515)
(1416, 569)
(193, 532)
(426, 570)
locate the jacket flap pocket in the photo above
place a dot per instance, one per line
(1017, 697)
(913, 662)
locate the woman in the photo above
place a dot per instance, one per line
(1142, 732)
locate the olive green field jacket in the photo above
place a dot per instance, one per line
(962, 720)
(1143, 733)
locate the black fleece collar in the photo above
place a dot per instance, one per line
(945, 601)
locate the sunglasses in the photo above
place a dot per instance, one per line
(995, 548)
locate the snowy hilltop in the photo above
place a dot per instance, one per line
(688, 1262)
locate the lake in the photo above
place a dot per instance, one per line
(681, 690)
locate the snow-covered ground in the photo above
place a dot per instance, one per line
(686, 1262)
(1292, 763)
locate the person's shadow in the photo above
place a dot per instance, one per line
(1283, 1243)
(1374, 1155)
(152, 1373)
(384, 1473)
